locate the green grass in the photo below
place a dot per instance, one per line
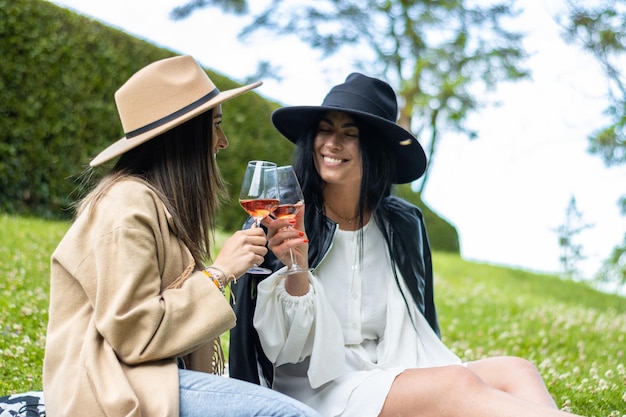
(575, 335)
(25, 248)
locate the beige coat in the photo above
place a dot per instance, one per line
(114, 327)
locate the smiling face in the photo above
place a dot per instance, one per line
(336, 149)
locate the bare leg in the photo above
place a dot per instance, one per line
(516, 376)
(455, 391)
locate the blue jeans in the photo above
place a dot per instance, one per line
(204, 395)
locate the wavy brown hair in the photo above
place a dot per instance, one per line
(180, 166)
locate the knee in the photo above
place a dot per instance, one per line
(509, 373)
(460, 380)
(433, 391)
(519, 367)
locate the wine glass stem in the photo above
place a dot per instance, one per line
(294, 265)
(257, 223)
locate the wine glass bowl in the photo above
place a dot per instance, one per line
(259, 196)
(286, 211)
(259, 209)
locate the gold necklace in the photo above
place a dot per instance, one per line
(349, 221)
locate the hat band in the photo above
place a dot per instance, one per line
(173, 116)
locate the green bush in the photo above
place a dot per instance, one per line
(442, 235)
(58, 76)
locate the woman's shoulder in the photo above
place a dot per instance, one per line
(396, 203)
(129, 184)
(126, 204)
(131, 191)
(130, 197)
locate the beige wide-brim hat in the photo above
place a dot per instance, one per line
(161, 96)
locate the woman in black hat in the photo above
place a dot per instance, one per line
(359, 336)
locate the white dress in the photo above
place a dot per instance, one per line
(339, 347)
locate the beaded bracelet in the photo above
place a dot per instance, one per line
(227, 278)
(218, 283)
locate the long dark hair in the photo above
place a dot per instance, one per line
(377, 165)
(180, 167)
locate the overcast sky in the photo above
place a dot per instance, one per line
(507, 191)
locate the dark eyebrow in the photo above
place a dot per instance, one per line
(345, 125)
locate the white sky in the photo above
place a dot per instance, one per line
(507, 191)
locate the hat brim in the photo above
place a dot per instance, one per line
(291, 122)
(124, 144)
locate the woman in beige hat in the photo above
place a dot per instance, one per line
(135, 313)
(359, 335)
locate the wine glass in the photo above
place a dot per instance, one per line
(259, 196)
(291, 201)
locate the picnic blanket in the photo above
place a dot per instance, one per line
(25, 404)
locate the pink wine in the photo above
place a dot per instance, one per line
(287, 210)
(259, 208)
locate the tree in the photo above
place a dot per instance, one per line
(613, 270)
(599, 27)
(571, 250)
(443, 57)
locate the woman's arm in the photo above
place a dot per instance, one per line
(134, 256)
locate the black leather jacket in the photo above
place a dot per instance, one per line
(402, 225)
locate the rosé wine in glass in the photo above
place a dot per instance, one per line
(259, 195)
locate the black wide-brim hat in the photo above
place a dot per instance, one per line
(374, 102)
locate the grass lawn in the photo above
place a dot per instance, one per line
(575, 335)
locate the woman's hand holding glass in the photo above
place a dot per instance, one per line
(287, 235)
(241, 251)
(286, 238)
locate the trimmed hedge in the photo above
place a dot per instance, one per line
(57, 79)
(58, 76)
(443, 236)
